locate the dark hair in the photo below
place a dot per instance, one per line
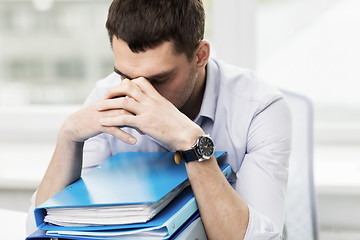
(145, 24)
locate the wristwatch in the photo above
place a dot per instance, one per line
(203, 149)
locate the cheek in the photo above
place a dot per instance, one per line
(176, 91)
(167, 90)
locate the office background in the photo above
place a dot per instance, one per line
(53, 51)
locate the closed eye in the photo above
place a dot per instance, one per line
(158, 80)
(122, 76)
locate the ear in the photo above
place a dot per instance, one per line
(202, 55)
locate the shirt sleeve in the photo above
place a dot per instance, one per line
(262, 177)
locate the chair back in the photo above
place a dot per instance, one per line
(301, 217)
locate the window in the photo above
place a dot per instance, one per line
(53, 49)
(70, 69)
(311, 47)
(25, 69)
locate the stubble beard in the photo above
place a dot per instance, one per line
(189, 91)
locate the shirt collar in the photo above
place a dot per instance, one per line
(208, 105)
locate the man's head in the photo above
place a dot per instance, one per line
(145, 24)
(161, 40)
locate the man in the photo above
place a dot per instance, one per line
(165, 94)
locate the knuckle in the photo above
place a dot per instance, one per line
(121, 112)
(126, 90)
(126, 83)
(123, 102)
(113, 90)
(138, 81)
(125, 80)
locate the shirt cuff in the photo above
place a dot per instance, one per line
(30, 221)
(261, 227)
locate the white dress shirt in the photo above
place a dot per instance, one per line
(245, 117)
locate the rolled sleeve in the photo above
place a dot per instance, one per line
(261, 227)
(30, 220)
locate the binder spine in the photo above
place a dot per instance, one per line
(180, 217)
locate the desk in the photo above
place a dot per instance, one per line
(12, 224)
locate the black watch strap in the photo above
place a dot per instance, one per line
(189, 155)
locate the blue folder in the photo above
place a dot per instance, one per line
(148, 178)
(171, 219)
(176, 218)
(186, 229)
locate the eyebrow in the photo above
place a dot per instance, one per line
(150, 78)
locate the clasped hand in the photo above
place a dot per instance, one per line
(143, 109)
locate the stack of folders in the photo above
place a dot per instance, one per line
(133, 195)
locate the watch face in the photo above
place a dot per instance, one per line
(206, 147)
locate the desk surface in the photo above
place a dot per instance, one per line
(12, 224)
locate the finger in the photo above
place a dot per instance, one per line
(120, 112)
(125, 88)
(125, 103)
(120, 134)
(115, 112)
(145, 86)
(118, 121)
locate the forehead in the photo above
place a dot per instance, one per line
(162, 58)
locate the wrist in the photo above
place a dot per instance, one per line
(68, 131)
(202, 149)
(189, 138)
(67, 139)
